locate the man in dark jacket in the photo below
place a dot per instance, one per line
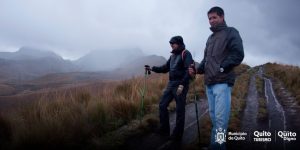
(224, 50)
(177, 88)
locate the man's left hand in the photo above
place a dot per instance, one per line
(179, 89)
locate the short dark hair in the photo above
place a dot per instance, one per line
(216, 9)
(177, 40)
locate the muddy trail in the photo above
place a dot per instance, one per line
(153, 141)
(281, 123)
(250, 113)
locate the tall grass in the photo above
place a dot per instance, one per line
(238, 96)
(5, 131)
(238, 100)
(74, 117)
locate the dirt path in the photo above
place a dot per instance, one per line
(282, 116)
(277, 117)
(249, 121)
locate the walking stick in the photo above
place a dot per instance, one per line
(195, 102)
(197, 114)
(142, 108)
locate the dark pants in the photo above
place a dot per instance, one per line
(168, 95)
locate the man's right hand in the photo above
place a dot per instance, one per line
(192, 70)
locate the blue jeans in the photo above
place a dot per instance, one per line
(219, 101)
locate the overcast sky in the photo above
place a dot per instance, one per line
(72, 28)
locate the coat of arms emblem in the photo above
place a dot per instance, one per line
(220, 136)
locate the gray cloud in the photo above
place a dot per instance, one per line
(270, 30)
(72, 28)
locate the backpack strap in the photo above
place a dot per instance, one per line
(193, 62)
(183, 54)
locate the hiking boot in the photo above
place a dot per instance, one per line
(162, 132)
(175, 138)
(205, 148)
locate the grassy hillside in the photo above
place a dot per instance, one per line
(81, 116)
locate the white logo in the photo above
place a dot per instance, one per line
(263, 136)
(220, 136)
(287, 135)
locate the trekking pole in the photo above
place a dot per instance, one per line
(147, 72)
(198, 126)
(195, 102)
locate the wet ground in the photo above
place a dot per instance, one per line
(282, 118)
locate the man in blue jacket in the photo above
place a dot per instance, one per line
(177, 88)
(223, 51)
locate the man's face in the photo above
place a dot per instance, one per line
(214, 19)
(174, 46)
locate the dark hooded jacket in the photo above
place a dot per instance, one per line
(176, 65)
(224, 49)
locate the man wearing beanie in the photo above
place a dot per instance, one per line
(223, 51)
(177, 88)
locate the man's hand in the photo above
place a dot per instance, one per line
(179, 89)
(192, 71)
(147, 69)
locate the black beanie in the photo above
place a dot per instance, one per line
(177, 40)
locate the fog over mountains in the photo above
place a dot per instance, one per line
(106, 60)
(29, 63)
